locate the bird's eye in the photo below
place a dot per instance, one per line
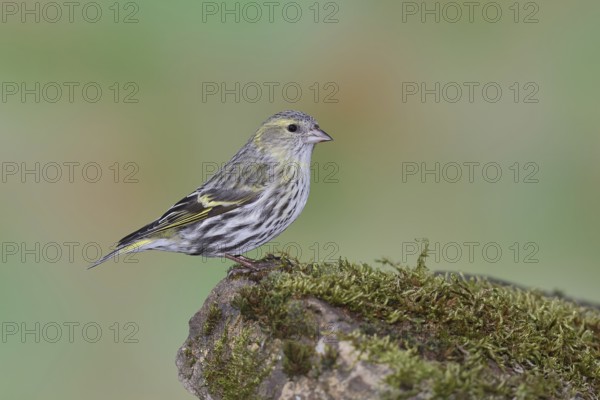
(292, 128)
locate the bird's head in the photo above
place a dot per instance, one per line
(289, 131)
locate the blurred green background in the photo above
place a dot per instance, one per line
(159, 131)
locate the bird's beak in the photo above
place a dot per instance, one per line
(317, 135)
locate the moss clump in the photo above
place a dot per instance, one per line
(234, 368)
(443, 335)
(214, 317)
(297, 358)
(329, 357)
(278, 312)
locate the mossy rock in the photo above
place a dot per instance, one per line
(351, 331)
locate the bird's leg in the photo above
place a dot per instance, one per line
(244, 261)
(240, 257)
(249, 265)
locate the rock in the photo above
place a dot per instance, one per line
(346, 331)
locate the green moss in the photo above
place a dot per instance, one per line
(234, 368)
(448, 336)
(282, 316)
(214, 317)
(412, 374)
(297, 357)
(329, 357)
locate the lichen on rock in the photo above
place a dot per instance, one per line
(350, 331)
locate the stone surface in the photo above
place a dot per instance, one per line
(347, 331)
(352, 377)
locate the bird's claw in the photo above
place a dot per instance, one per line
(272, 257)
(251, 269)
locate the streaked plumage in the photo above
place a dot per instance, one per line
(252, 199)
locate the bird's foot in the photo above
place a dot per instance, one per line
(249, 266)
(243, 261)
(272, 257)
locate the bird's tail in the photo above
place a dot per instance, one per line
(123, 248)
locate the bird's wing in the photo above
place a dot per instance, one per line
(198, 206)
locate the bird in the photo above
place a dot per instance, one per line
(249, 201)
